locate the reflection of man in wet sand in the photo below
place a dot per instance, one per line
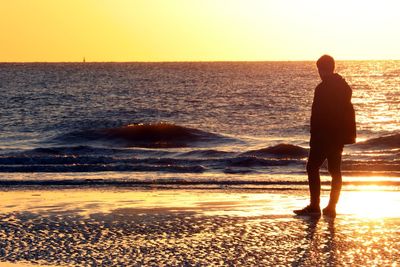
(332, 126)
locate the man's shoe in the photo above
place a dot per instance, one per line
(308, 211)
(329, 212)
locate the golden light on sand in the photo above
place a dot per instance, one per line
(175, 30)
(369, 202)
(138, 201)
(43, 222)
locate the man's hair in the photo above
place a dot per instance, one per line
(326, 63)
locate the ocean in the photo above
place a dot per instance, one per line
(198, 124)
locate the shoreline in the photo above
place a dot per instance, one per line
(117, 226)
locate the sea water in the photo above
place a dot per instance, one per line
(204, 123)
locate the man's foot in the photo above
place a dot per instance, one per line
(309, 211)
(329, 212)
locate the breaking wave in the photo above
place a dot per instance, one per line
(153, 135)
(195, 183)
(382, 142)
(281, 150)
(145, 149)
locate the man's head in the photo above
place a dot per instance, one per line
(326, 66)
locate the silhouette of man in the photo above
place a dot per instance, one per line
(332, 126)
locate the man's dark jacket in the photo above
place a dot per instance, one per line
(332, 117)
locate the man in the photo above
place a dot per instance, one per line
(332, 126)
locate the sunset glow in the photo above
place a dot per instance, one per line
(188, 30)
(199, 133)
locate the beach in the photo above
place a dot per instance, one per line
(113, 226)
(190, 164)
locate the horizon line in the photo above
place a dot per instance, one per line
(190, 61)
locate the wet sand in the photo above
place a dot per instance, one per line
(164, 227)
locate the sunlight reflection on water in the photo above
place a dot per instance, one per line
(370, 204)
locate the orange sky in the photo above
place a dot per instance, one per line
(197, 30)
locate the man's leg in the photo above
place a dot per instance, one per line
(334, 162)
(315, 159)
